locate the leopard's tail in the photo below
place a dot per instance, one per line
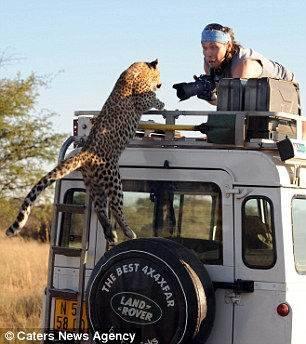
(60, 171)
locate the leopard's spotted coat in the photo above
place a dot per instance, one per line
(133, 94)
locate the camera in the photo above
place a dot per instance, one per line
(203, 87)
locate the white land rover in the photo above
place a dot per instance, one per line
(221, 254)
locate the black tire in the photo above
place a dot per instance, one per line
(188, 256)
(155, 288)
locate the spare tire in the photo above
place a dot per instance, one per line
(155, 288)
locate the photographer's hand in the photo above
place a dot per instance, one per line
(210, 96)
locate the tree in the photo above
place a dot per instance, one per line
(28, 144)
(26, 139)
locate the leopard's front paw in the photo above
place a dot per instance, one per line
(159, 105)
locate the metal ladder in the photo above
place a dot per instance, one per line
(51, 291)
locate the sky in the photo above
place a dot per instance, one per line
(83, 46)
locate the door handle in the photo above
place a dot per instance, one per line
(239, 286)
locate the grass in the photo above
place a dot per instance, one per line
(23, 276)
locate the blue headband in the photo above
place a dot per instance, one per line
(215, 36)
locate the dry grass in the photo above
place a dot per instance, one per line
(23, 276)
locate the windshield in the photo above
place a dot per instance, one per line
(187, 212)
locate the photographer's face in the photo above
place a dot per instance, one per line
(214, 53)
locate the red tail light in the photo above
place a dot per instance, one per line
(283, 309)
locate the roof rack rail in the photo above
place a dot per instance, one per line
(238, 128)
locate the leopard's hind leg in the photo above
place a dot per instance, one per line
(116, 206)
(99, 199)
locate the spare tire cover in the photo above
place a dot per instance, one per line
(155, 288)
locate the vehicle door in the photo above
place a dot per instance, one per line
(294, 215)
(259, 262)
(193, 207)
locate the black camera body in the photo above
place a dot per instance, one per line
(203, 87)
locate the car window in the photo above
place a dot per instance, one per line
(73, 221)
(258, 240)
(187, 212)
(299, 233)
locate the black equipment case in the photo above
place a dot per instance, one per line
(231, 94)
(264, 94)
(273, 95)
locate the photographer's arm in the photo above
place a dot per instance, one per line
(247, 69)
(206, 70)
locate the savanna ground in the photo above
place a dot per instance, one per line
(23, 276)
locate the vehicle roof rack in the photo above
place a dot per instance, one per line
(233, 128)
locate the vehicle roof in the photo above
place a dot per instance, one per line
(246, 167)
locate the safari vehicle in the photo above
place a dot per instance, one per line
(221, 254)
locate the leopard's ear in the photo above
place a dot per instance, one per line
(153, 64)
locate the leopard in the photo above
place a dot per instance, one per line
(134, 93)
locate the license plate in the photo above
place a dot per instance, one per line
(65, 315)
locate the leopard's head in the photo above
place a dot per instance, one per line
(140, 77)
